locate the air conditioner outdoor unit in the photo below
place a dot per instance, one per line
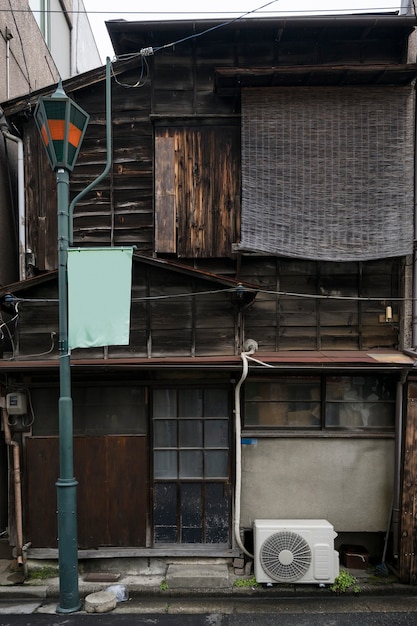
(295, 551)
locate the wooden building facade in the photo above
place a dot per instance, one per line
(265, 177)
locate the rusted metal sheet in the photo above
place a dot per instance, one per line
(342, 359)
(112, 475)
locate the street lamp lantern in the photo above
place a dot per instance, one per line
(62, 124)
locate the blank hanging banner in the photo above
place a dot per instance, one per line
(99, 296)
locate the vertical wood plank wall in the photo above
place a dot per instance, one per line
(408, 561)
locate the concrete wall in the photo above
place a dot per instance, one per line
(72, 42)
(346, 481)
(27, 60)
(84, 51)
(29, 65)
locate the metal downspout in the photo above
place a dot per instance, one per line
(21, 202)
(414, 304)
(108, 155)
(252, 347)
(9, 36)
(16, 482)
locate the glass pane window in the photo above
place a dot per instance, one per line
(97, 410)
(364, 402)
(165, 434)
(190, 433)
(191, 452)
(360, 402)
(215, 463)
(190, 402)
(216, 402)
(288, 402)
(164, 403)
(216, 433)
(191, 464)
(165, 464)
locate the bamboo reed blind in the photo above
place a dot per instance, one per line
(327, 172)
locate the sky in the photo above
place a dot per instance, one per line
(100, 11)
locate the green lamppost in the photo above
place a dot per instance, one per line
(62, 124)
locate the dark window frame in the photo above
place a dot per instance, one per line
(317, 422)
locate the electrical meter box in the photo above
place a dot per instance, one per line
(16, 403)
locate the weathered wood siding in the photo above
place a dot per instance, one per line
(197, 197)
(41, 202)
(408, 534)
(177, 315)
(178, 88)
(336, 321)
(174, 190)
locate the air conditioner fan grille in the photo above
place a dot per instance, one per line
(285, 556)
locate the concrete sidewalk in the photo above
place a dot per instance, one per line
(181, 577)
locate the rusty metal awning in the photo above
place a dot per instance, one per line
(286, 360)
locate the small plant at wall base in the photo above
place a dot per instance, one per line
(42, 573)
(345, 581)
(246, 582)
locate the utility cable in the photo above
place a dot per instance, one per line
(241, 290)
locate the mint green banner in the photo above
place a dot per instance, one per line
(99, 296)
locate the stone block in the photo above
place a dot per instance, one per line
(100, 602)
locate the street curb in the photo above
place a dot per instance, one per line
(23, 592)
(136, 590)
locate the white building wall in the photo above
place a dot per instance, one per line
(60, 38)
(30, 59)
(346, 481)
(84, 52)
(26, 62)
(72, 41)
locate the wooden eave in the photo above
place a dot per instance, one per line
(163, 264)
(194, 272)
(28, 283)
(27, 102)
(229, 80)
(128, 37)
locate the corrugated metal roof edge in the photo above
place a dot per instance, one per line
(328, 359)
(392, 18)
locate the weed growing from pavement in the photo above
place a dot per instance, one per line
(246, 582)
(345, 581)
(41, 573)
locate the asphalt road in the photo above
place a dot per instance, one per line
(263, 619)
(380, 610)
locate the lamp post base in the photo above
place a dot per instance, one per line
(69, 599)
(61, 610)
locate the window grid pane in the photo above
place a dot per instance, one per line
(365, 402)
(188, 436)
(191, 460)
